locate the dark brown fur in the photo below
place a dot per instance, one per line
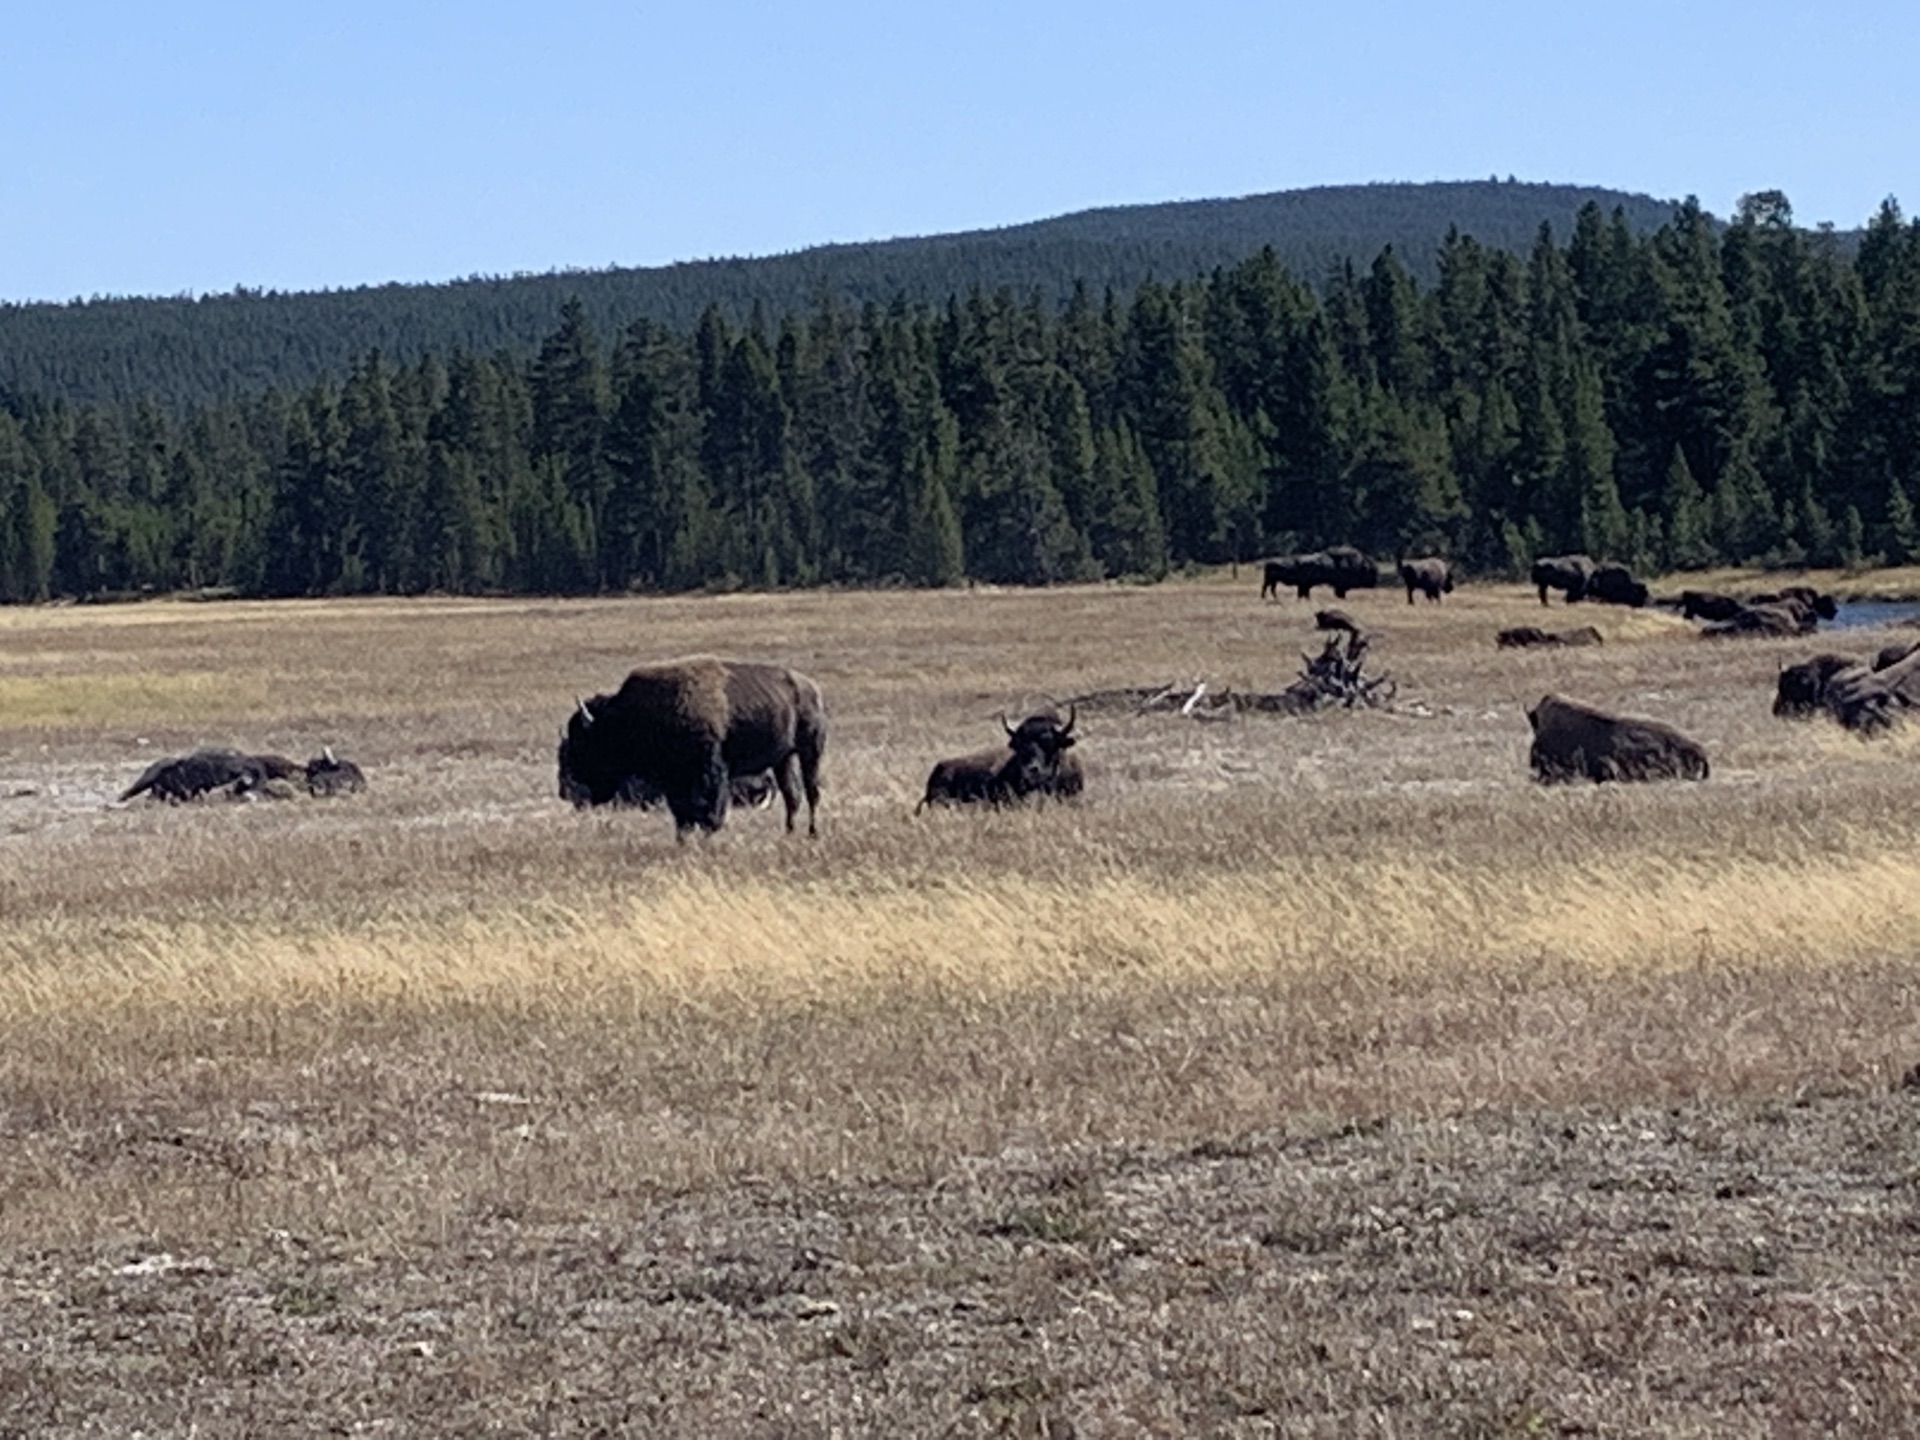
(1577, 742)
(1432, 577)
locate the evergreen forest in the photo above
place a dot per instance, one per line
(1671, 397)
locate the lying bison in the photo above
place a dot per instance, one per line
(1707, 605)
(1036, 760)
(1342, 568)
(1615, 585)
(1566, 573)
(188, 777)
(329, 776)
(686, 728)
(1868, 699)
(1802, 689)
(1521, 636)
(1576, 742)
(1432, 577)
(1821, 606)
(1766, 620)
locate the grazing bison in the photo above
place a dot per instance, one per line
(1524, 635)
(686, 727)
(1576, 742)
(328, 776)
(1432, 577)
(1707, 605)
(188, 777)
(1615, 585)
(1034, 761)
(1568, 573)
(1342, 567)
(1802, 689)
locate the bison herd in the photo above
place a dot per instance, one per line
(702, 734)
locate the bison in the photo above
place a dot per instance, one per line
(1615, 585)
(1567, 573)
(1432, 577)
(188, 777)
(1520, 636)
(1342, 567)
(1576, 742)
(1802, 689)
(1860, 697)
(329, 776)
(686, 728)
(1788, 616)
(1821, 607)
(1707, 605)
(1034, 761)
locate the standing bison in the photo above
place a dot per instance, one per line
(1567, 573)
(1432, 577)
(1036, 760)
(1342, 567)
(685, 728)
(1576, 742)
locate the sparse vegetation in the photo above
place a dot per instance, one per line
(1313, 1075)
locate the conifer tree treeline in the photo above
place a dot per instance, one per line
(1691, 395)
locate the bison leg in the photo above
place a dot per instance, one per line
(786, 777)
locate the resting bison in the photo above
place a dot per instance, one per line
(1787, 616)
(328, 776)
(686, 727)
(1615, 585)
(1802, 688)
(1432, 577)
(1568, 573)
(1034, 761)
(1524, 635)
(1342, 567)
(1863, 698)
(1822, 607)
(1576, 742)
(1706, 605)
(188, 777)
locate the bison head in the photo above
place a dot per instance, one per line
(1042, 733)
(590, 773)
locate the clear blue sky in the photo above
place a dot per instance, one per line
(195, 146)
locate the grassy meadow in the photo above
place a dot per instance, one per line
(1311, 1075)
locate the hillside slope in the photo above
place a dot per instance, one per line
(184, 350)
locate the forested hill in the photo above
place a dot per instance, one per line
(184, 351)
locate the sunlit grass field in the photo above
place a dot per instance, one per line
(390, 1026)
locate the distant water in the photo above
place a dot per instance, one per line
(1854, 614)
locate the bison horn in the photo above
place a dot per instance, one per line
(326, 754)
(1067, 729)
(586, 715)
(1003, 724)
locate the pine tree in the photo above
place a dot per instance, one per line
(1689, 546)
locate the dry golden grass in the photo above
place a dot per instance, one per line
(1211, 1102)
